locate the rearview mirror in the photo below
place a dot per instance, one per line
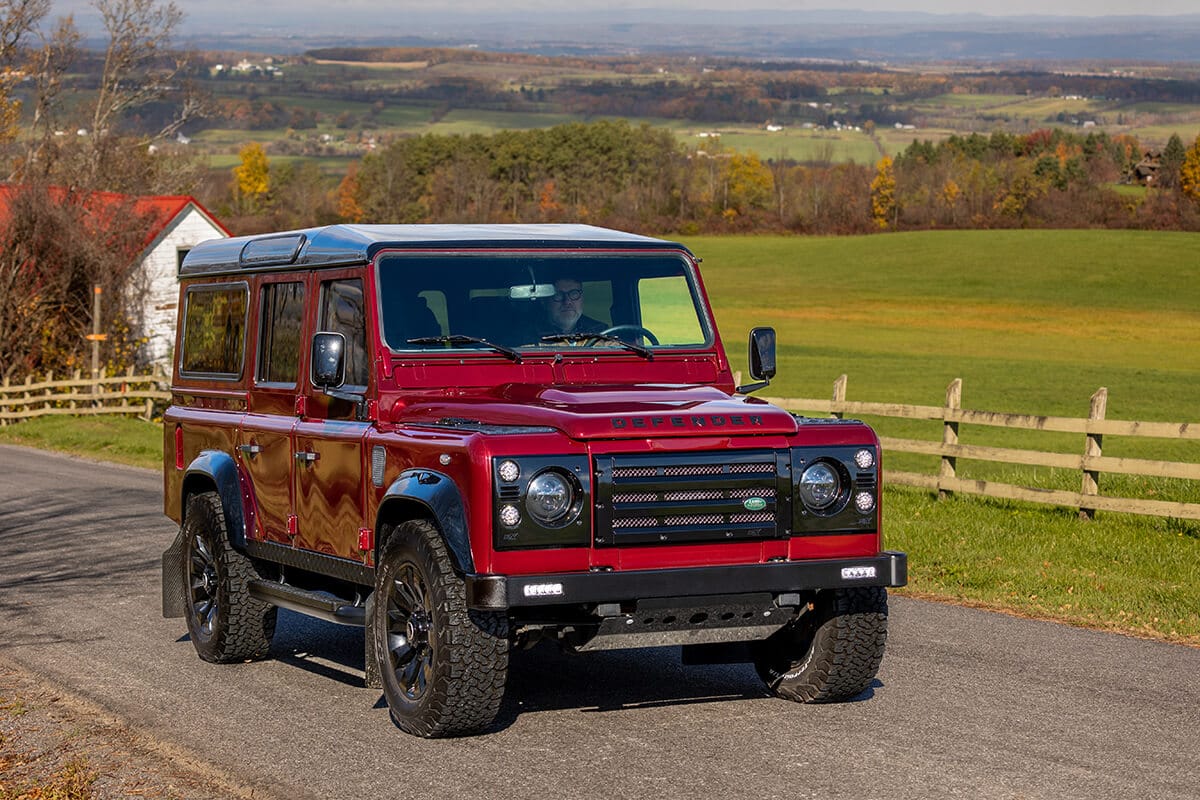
(328, 360)
(531, 291)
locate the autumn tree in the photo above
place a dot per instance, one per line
(348, 208)
(59, 243)
(252, 177)
(883, 194)
(1189, 173)
(748, 185)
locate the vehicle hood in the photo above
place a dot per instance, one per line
(601, 412)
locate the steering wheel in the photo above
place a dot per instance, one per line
(637, 329)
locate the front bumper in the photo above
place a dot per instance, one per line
(500, 592)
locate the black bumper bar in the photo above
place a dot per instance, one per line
(499, 592)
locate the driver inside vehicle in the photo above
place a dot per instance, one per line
(563, 311)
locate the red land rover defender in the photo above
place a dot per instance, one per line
(466, 438)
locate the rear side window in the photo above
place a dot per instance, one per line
(279, 337)
(214, 330)
(343, 311)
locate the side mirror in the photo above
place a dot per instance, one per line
(762, 359)
(762, 354)
(328, 360)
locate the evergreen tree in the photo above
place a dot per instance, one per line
(1171, 163)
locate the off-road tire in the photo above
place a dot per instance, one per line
(831, 652)
(225, 623)
(443, 666)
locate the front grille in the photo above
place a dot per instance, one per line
(692, 497)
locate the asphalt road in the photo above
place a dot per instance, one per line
(967, 704)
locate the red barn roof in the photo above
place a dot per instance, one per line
(161, 210)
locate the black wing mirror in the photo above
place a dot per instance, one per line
(328, 360)
(762, 359)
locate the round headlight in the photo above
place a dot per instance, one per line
(820, 486)
(864, 502)
(509, 471)
(549, 498)
(865, 459)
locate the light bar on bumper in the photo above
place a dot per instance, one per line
(498, 592)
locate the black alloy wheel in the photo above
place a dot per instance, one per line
(225, 623)
(410, 622)
(442, 665)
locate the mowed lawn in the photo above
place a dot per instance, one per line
(1032, 321)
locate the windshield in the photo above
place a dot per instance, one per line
(639, 303)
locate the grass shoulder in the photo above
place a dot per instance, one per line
(122, 440)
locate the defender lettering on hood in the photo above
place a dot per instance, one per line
(690, 421)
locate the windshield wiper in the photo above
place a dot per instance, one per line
(458, 338)
(644, 352)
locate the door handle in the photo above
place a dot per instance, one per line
(306, 456)
(250, 450)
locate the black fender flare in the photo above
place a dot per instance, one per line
(217, 468)
(439, 495)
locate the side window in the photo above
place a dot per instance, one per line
(282, 320)
(214, 330)
(343, 311)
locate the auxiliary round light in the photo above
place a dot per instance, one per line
(509, 516)
(820, 486)
(865, 459)
(509, 471)
(549, 498)
(864, 502)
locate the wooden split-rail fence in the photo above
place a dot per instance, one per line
(1090, 462)
(140, 395)
(136, 395)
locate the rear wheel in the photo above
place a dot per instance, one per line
(831, 652)
(224, 622)
(443, 666)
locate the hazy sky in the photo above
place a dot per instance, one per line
(294, 10)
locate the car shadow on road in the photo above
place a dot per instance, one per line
(541, 679)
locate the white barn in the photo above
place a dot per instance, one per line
(180, 223)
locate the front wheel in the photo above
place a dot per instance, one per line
(831, 652)
(443, 666)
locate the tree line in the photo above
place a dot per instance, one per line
(642, 178)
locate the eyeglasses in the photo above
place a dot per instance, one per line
(573, 294)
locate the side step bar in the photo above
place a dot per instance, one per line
(314, 604)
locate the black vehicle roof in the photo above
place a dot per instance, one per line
(340, 245)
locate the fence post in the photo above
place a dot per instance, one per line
(949, 436)
(1092, 447)
(96, 337)
(74, 387)
(839, 395)
(48, 392)
(5, 408)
